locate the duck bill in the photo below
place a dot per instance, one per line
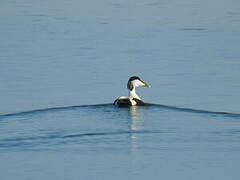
(145, 84)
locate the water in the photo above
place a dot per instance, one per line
(58, 59)
(103, 141)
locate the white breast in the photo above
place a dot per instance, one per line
(133, 102)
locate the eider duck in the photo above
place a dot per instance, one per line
(133, 99)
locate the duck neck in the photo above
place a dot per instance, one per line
(133, 94)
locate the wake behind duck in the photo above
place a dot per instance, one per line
(133, 99)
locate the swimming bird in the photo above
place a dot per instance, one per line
(133, 99)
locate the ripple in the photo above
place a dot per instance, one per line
(32, 141)
(112, 133)
(193, 29)
(161, 106)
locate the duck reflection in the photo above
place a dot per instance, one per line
(135, 120)
(135, 126)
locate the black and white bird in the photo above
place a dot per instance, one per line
(133, 99)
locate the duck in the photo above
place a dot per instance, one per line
(133, 99)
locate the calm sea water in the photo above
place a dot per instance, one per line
(58, 59)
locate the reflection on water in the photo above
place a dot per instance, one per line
(136, 120)
(135, 124)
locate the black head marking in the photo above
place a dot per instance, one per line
(134, 78)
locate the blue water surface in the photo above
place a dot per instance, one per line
(103, 141)
(62, 64)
